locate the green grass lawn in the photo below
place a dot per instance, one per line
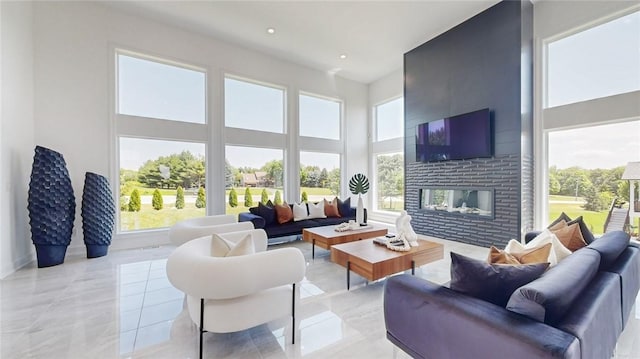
(555, 197)
(150, 218)
(595, 220)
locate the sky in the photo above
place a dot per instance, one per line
(594, 63)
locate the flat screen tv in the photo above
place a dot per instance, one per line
(454, 138)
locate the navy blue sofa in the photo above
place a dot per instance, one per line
(576, 309)
(275, 229)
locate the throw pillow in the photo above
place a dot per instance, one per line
(558, 250)
(344, 207)
(316, 210)
(538, 254)
(571, 237)
(491, 282)
(586, 233)
(331, 208)
(562, 217)
(558, 225)
(497, 256)
(267, 212)
(284, 213)
(300, 212)
(221, 247)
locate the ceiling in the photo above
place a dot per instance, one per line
(373, 34)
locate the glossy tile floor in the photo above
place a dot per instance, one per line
(123, 306)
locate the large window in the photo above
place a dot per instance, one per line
(252, 106)
(253, 175)
(388, 156)
(319, 117)
(598, 62)
(162, 176)
(156, 90)
(161, 182)
(319, 175)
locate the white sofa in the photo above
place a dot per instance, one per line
(228, 294)
(189, 229)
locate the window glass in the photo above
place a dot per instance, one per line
(161, 182)
(256, 172)
(319, 117)
(153, 89)
(253, 107)
(389, 184)
(585, 169)
(598, 62)
(390, 120)
(319, 175)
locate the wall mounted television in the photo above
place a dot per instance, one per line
(465, 136)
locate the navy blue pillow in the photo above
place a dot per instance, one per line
(344, 207)
(491, 282)
(562, 216)
(267, 212)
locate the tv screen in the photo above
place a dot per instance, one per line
(455, 138)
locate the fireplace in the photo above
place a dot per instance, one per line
(475, 202)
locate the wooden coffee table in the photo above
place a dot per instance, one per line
(373, 261)
(326, 236)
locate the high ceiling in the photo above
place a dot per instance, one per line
(373, 35)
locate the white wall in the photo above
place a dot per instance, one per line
(553, 19)
(73, 70)
(17, 139)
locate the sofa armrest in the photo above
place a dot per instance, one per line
(258, 222)
(430, 321)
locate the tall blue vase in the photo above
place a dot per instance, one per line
(98, 214)
(52, 206)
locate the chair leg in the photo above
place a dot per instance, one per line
(293, 314)
(201, 324)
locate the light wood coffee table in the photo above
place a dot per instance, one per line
(326, 236)
(373, 261)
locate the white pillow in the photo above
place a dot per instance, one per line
(300, 211)
(558, 250)
(221, 247)
(317, 210)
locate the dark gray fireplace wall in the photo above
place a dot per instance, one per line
(483, 62)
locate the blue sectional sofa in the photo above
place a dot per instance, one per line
(576, 309)
(262, 218)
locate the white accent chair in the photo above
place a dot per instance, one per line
(189, 229)
(229, 294)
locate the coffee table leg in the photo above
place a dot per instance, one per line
(348, 275)
(413, 267)
(313, 248)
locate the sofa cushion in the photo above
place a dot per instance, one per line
(266, 211)
(586, 233)
(300, 212)
(558, 225)
(222, 247)
(345, 207)
(289, 228)
(316, 210)
(497, 256)
(627, 267)
(610, 246)
(284, 213)
(491, 282)
(331, 208)
(558, 250)
(548, 298)
(562, 217)
(571, 237)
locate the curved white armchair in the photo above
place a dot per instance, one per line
(189, 229)
(228, 294)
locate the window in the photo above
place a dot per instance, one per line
(585, 167)
(251, 106)
(389, 119)
(258, 172)
(161, 182)
(319, 117)
(319, 175)
(388, 156)
(598, 62)
(157, 90)
(389, 182)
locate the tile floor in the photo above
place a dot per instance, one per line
(123, 306)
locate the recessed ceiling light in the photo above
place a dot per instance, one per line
(271, 31)
(343, 56)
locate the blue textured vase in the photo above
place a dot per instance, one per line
(52, 206)
(98, 214)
